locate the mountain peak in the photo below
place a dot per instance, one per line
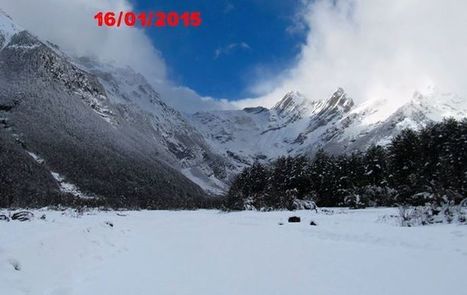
(292, 102)
(296, 105)
(339, 99)
(340, 91)
(4, 14)
(7, 29)
(437, 104)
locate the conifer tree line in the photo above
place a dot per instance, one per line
(415, 168)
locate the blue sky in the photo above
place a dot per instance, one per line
(240, 41)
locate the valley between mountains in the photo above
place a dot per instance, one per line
(75, 128)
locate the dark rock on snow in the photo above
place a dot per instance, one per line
(294, 219)
(22, 216)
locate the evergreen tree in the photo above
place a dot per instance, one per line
(416, 165)
(404, 153)
(375, 168)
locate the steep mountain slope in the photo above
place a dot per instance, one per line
(142, 108)
(296, 125)
(70, 130)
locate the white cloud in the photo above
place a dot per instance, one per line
(371, 48)
(298, 21)
(376, 49)
(71, 25)
(186, 100)
(226, 50)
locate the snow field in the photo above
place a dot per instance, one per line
(210, 252)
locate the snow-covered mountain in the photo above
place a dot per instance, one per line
(292, 126)
(297, 125)
(143, 108)
(100, 130)
(79, 126)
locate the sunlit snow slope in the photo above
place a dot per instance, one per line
(298, 125)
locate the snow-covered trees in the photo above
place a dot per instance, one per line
(413, 167)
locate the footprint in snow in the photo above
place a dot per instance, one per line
(15, 264)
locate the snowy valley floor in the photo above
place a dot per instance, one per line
(209, 252)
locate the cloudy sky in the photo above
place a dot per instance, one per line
(377, 49)
(251, 52)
